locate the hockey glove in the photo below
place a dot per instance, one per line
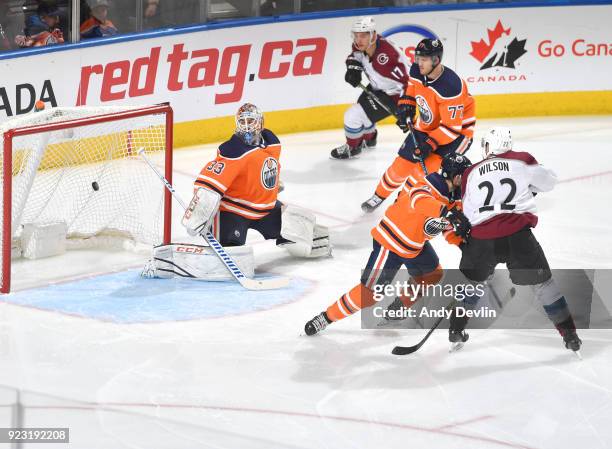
(460, 223)
(200, 213)
(406, 110)
(425, 148)
(353, 71)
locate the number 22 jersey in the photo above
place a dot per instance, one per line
(498, 193)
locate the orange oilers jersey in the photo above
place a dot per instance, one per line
(415, 217)
(246, 176)
(446, 109)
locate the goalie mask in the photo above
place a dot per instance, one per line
(249, 124)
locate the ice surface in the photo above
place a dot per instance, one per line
(250, 380)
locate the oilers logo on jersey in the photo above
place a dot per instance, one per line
(424, 110)
(435, 226)
(269, 173)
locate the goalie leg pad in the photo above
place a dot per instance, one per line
(200, 213)
(197, 262)
(298, 225)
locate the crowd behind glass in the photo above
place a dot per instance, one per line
(35, 23)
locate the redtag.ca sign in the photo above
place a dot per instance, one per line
(201, 68)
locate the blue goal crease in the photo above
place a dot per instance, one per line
(127, 298)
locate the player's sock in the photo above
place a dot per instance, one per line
(370, 140)
(395, 175)
(407, 301)
(559, 314)
(356, 299)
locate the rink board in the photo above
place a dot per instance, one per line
(293, 66)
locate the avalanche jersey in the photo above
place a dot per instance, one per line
(246, 176)
(387, 69)
(446, 109)
(498, 193)
(415, 217)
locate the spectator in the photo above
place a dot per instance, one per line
(5, 40)
(98, 24)
(42, 28)
(153, 17)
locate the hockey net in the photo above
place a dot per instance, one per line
(79, 167)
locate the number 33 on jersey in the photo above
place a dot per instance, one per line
(246, 176)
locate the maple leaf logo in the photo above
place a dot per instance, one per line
(481, 50)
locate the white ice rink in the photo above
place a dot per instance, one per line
(130, 363)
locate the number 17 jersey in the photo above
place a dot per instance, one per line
(498, 193)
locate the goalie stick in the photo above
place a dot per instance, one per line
(405, 350)
(249, 284)
(410, 128)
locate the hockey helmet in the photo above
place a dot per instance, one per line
(453, 165)
(364, 25)
(249, 123)
(430, 47)
(497, 140)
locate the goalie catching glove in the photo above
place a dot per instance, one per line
(200, 213)
(302, 236)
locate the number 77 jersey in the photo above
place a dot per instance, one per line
(498, 193)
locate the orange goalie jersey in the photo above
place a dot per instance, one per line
(416, 217)
(246, 176)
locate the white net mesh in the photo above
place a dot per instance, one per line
(89, 176)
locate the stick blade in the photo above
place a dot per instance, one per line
(264, 284)
(404, 350)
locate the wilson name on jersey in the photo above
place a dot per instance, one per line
(498, 193)
(246, 176)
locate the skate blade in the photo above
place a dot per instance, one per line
(578, 354)
(456, 346)
(390, 324)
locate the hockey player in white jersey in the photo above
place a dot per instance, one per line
(498, 200)
(386, 68)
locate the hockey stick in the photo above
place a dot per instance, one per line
(249, 284)
(410, 128)
(405, 350)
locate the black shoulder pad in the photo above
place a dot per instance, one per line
(234, 148)
(448, 85)
(269, 137)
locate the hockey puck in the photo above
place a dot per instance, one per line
(95, 186)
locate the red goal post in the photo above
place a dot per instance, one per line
(80, 166)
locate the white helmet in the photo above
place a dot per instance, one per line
(497, 140)
(364, 25)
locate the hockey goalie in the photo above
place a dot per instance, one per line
(233, 193)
